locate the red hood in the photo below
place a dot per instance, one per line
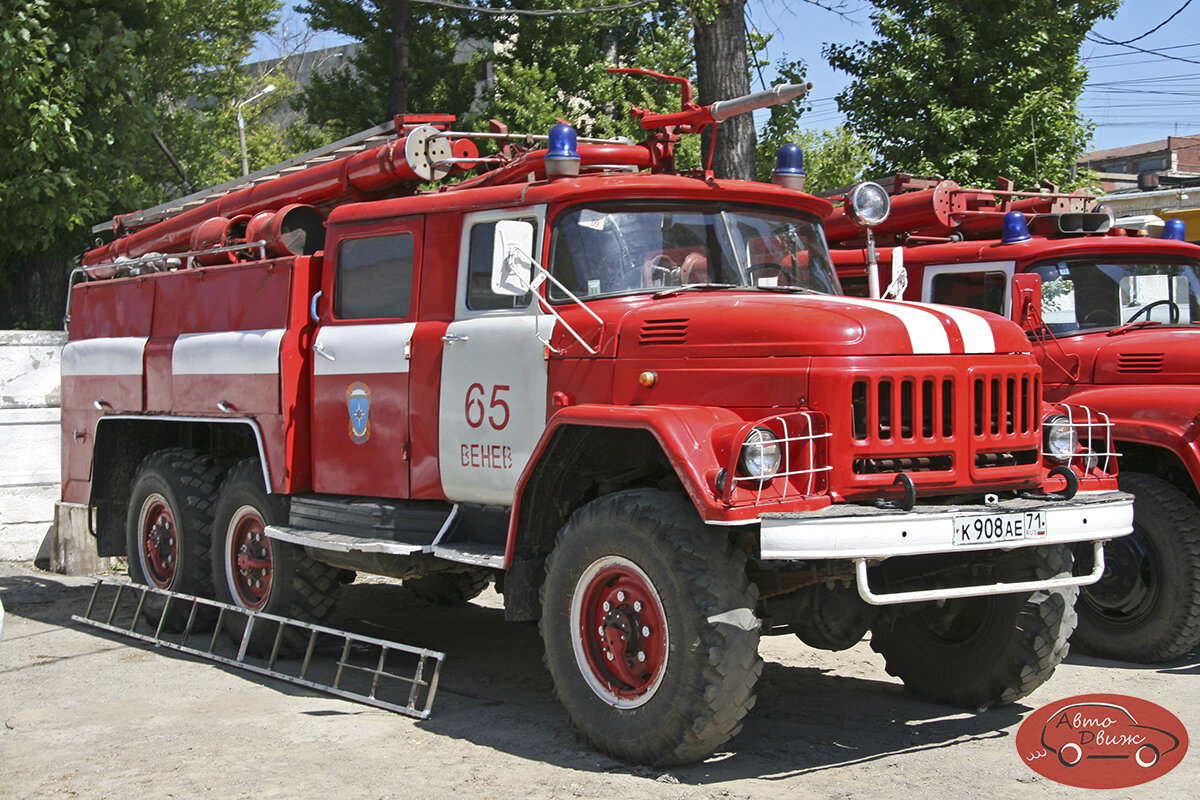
(740, 324)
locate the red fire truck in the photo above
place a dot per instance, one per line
(636, 399)
(1112, 314)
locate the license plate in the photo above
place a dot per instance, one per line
(991, 529)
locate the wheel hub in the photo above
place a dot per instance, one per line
(250, 558)
(622, 632)
(160, 542)
(1128, 587)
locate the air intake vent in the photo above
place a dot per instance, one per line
(1139, 362)
(663, 332)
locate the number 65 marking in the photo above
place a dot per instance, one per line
(475, 411)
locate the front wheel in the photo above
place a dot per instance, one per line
(649, 628)
(254, 572)
(1146, 608)
(982, 651)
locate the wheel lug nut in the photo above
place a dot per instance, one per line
(641, 656)
(637, 605)
(610, 656)
(600, 631)
(607, 606)
(645, 630)
(620, 597)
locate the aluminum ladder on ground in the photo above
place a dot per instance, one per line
(361, 672)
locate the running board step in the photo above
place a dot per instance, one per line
(361, 672)
(342, 542)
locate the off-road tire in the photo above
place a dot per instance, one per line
(1000, 649)
(449, 588)
(295, 585)
(177, 487)
(706, 668)
(1146, 608)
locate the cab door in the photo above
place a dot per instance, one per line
(360, 361)
(492, 405)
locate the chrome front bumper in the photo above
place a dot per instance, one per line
(866, 535)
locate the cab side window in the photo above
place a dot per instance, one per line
(479, 294)
(982, 290)
(374, 277)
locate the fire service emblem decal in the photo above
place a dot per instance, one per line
(358, 404)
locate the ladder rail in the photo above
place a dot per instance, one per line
(380, 676)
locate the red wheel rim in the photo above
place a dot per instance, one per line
(159, 541)
(621, 641)
(248, 559)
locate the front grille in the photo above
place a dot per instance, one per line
(872, 466)
(907, 408)
(1004, 404)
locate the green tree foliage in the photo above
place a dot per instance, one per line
(972, 90)
(556, 67)
(442, 73)
(83, 84)
(525, 71)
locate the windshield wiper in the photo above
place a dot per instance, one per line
(1130, 326)
(695, 287)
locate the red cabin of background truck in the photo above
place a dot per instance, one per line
(1113, 316)
(636, 399)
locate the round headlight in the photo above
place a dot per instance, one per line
(761, 454)
(868, 204)
(1061, 439)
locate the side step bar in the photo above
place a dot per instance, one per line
(361, 672)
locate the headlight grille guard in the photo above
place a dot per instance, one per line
(1093, 430)
(803, 471)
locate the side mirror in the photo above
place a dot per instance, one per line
(512, 264)
(1027, 300)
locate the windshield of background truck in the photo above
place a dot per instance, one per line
(1086, 294)
(618, 248)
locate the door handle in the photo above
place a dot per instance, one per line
(319, 349)
(451, 338)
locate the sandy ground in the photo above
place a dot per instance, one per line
(92, 715)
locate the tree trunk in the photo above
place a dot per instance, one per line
(722, 72)
(33, 293)
(401, 37)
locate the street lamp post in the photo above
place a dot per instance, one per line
(241, 123)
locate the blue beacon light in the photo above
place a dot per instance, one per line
(562, 156)
(1015, 229)
(789, 168)
(1175, 229)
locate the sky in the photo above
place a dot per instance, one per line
(1132, 97)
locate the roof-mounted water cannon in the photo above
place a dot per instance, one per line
(694, 118)
(789, 168)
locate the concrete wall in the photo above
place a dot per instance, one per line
(29, 439)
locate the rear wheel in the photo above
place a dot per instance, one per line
(982, 651)
(167, 531)
(254, 572)
(1146, 608)
(649, 628)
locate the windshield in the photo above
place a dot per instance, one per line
(1085, 294)
(616, 248)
